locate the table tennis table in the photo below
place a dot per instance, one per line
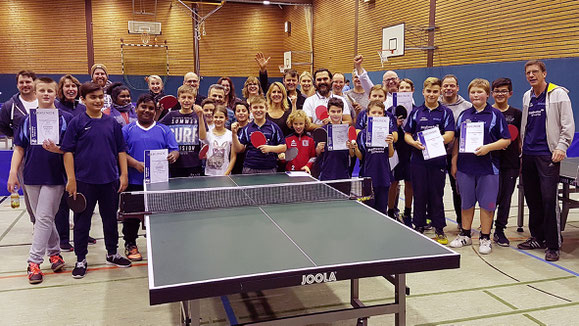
(216, 252)
(567, 177)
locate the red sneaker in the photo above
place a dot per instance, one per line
(34, 273)
(57, 263)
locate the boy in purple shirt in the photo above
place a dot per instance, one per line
(141, 135)
(94, 153)
(44, 178)
(477, 174)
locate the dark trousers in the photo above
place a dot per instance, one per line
(540, 179)
(61, 220)
(456, 201)
(381, 199)
(428, 185)
(131, 225)
(507, 181)
(108, 199)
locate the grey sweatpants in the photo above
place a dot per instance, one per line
(44, 202)
(25, 193)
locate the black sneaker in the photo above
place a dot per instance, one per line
(79, 270)
(428, 225)
(500, 239)
(532, 243)
(407, 220)
(66, 247)
(118, 260)
(551, 255)
(91, 240)
(56, 263)
(419, 229)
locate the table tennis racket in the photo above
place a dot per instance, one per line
(400, 112)
(291, 153)
(203, 152)
(77, 205)
(514, 132)
(352, 134)
(320, 135)
(258, 139)
(322, 112)
(168, 102)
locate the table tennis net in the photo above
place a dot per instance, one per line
(151, 202)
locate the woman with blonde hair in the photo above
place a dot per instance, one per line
(306, 84)
(251, 88)
(278, 108)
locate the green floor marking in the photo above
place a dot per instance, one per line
(494, 296)
(11, 226)
(535, 320)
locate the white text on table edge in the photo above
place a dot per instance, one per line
(324, 277)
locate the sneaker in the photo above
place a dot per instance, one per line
(419, 229)
(66, 247)
(91, 240)
(484, 246)
(441, 237)
(500, 239)
(118, 260)
(57, 263)
(35, 275)
(428, 225)
(461, 241)
(407, 220)
(551, 255)
(132, 252)
(79, 270)
(531, 243)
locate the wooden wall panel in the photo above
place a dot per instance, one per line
(45, 38)
(110, 25)
(235, 33)
(506, 31)
(299, 39)
(334, 35)
(375, 16)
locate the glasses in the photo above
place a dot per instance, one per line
(389, 80)
(501, 92)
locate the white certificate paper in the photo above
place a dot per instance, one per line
(156, 166)
(337, 137)
(43, 126)
(404, 99)
(471, 136)
(378, 129)
(433, 143)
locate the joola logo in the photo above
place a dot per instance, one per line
(319, 278)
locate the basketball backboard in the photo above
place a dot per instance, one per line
(393, 40)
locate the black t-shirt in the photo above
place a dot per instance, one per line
(510, 156)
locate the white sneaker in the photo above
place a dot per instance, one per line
(461, 241)
(485, 247)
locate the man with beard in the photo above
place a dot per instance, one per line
(322, 83)
(13, 113)
(456, 104)
(100, 76)
(290, 81)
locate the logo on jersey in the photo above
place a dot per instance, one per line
(319, 278)
(293, 143)
(305, 142)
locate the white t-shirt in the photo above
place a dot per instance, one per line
(28, 105)
(312, 102)
(218, 153)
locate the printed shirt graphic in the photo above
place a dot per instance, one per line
(185, 128)
(218, 154)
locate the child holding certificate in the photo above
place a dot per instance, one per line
(481, 130)
(43, 176)
(425, 127)
(141, 135)
(334, 163)
(372, 152)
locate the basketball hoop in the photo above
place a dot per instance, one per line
(384, 54)
(145, 37)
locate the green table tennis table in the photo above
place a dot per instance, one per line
(216, 252)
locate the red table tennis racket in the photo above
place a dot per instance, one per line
(77, 205)
(322, 112)
(352, 133)
(514, 132)
(168, 102)
(320, 135)
(258, 139)
(291, 153)
(203, 152)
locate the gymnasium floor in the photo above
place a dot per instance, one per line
(507, 287)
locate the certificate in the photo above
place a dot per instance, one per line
(156, 166)
(43, 126)
(337, 137)
(377, 130)
(394, 160)
(471, 136)
(433, 143)
(404, 99)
